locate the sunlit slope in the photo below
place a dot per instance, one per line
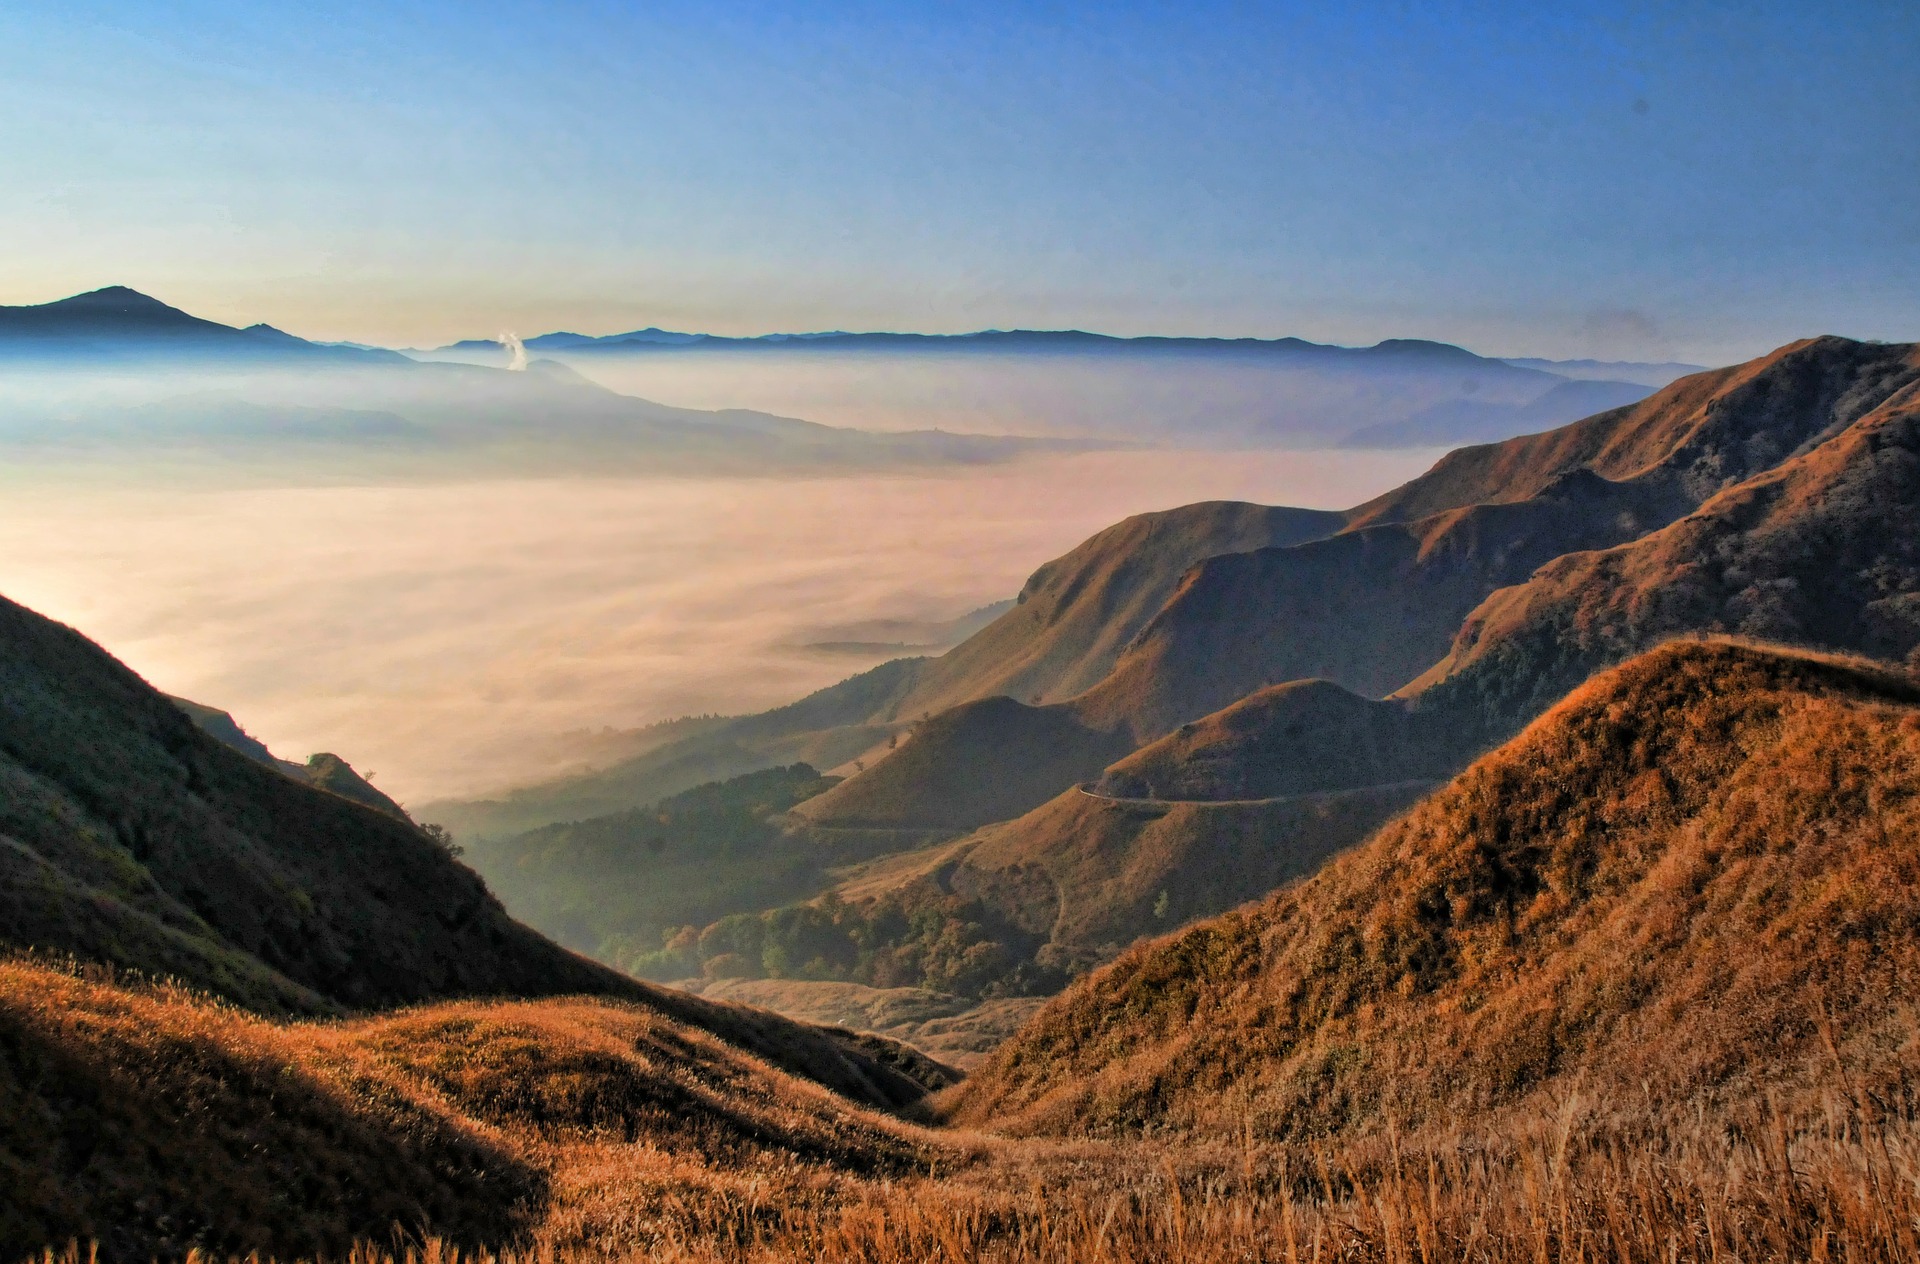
(1302, 737)
(1702, 433)
(1823, 550)
(1377, 605)
(153, 1121)
(1668, 892)
(1078, 612)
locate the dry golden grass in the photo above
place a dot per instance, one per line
(1651, 894)
(1635, 987)
(156, 1120)
(1547, 1191)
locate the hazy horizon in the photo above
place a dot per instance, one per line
(446, 637)
(1585, 180)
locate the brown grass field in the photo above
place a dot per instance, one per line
(1634, 987)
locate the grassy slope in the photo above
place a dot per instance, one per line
(1375, 605)
(1092, 875)
(1651, 894)
(1076, 613)
(153, 1121)
(130, 837)
(978, 762)
(1302, 737)
(1368, 609)
(1820, 551)
(1712, 429)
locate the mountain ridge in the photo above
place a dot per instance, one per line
(1647, 882)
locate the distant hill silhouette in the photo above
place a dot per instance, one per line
(1207, 392)
(325, 770)
(120, 324)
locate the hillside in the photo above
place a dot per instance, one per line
(1668, 893)
(1819, 551)
(1018, 908)
(978, 762)
(1378, 604)
(1703, 432)
(130, 838)
(153, 1121)
(1076, 613)
(1089, 875)
(325, 769)
(618, 886)
(825, 728)
(1368, 609)
(1302, 737)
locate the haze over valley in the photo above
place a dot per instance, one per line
(959, 635)
(449, 636)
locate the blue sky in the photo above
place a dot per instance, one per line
(1697, 181)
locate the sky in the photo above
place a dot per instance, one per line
(1692, 181)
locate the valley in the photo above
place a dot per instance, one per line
(1254, 881)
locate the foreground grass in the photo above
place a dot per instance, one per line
(1847, 1190)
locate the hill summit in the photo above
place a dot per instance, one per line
(1668, 891)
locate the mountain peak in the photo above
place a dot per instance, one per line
(117, 298)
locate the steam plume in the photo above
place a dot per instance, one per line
(516, 351)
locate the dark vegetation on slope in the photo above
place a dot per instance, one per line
(1668, 891)
(616, 886)
(824, 729)
(131, 838)
(1019, 908)
(326, 770)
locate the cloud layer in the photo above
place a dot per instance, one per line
(445, 637)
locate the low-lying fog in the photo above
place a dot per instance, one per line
(449, 637)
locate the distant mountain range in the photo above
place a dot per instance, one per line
(116, 324)
(111, 375)
(1062, 384)
(1073, 341)
(1261, 392)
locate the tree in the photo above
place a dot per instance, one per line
(442, 838)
